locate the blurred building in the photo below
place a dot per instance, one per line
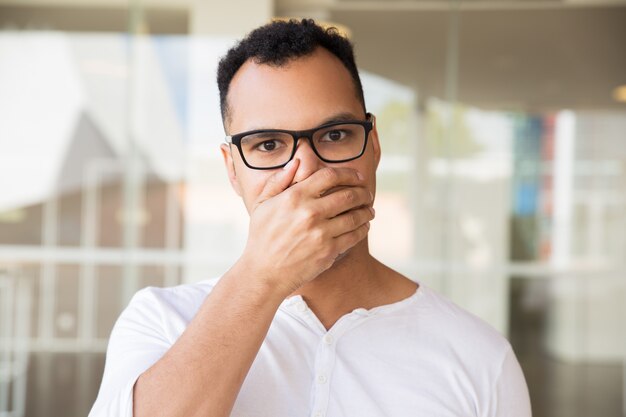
(502, 183)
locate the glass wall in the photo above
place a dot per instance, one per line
(502, 183)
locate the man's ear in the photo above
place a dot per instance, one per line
(230, 167)
(375, 143)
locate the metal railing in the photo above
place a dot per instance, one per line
(15, 305)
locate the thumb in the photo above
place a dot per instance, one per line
(280, 181)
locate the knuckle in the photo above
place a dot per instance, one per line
(348, 195)
(353, 220)
(318, 237)
(310, 214)
(329, 174)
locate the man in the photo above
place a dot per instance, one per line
(307, 322)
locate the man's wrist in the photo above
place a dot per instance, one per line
(267, 284)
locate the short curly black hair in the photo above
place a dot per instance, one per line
(280, 41)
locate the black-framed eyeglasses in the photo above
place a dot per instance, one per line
(332, 142)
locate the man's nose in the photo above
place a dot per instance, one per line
(309, 161)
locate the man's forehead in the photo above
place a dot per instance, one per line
(262, 95)
(340, 116)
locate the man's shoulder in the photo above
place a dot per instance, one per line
(184, 299)
(460, 326)
(192, 289)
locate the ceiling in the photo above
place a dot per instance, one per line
(530, 59)
(505, 54)
(531, 55)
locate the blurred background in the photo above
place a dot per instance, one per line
(502, 183)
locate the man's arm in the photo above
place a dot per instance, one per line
(295, 234)
(203, 371)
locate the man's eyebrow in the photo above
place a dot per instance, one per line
(340, 117)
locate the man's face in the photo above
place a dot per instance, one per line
(305, 93)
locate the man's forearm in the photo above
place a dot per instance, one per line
(203, 371)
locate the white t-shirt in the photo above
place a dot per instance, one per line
(422, 356)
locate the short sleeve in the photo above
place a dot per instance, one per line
(511, 397)
(137, 341)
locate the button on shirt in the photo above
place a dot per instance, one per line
(421, 356)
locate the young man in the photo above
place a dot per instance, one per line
(307, 322)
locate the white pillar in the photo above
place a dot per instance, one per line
(565, 136)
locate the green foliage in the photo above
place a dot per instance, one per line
(447, 132)
(393, 127)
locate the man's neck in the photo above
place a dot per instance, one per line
(357, 280)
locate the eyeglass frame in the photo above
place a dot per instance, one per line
(368, 125)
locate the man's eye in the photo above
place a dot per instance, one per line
(334, 135)
(268, 146)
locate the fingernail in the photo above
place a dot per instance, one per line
(371, 196)
(367, 224)
(372, 211)
(360, 176)
(289, 164)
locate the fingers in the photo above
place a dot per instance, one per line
(350, 221)
(350, 228)
(324, 180)
(345, 199)
(350, 239)
(279, 182)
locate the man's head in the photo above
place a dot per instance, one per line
(300, 91)
(279, 42)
